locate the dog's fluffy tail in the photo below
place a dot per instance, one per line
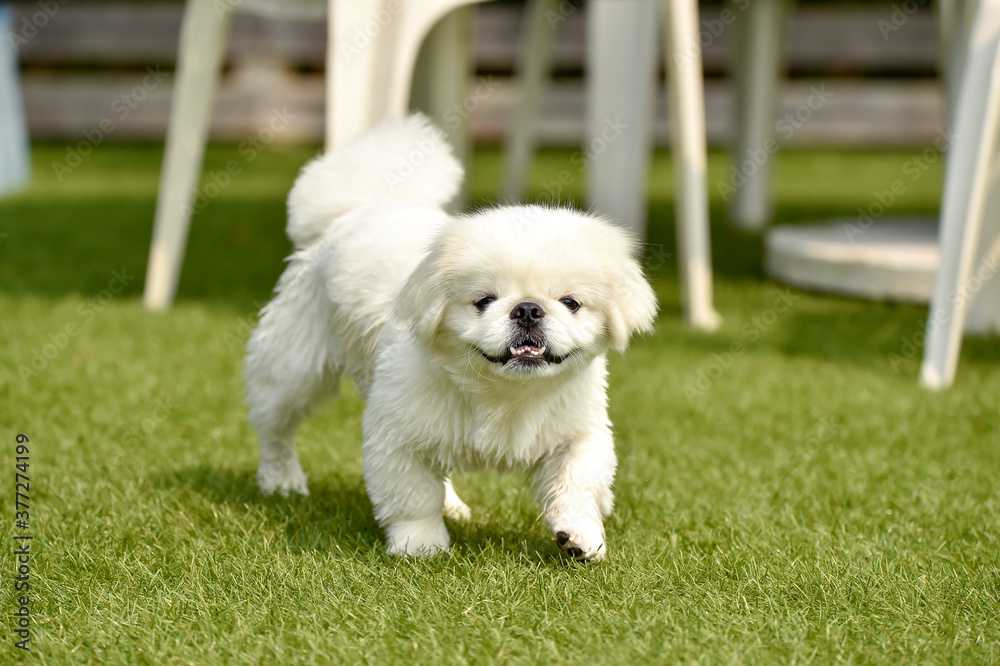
(406, 158)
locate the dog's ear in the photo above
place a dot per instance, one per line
(421, 303)
(633, 307)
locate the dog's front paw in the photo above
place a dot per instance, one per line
(282, 476)
(584, 544)
(417, 538)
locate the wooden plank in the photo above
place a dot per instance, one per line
(821, 38)
(115, 41)
(129, 34)
(118, 107)
(859, 112)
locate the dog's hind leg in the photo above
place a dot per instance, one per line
(454, 507)
(290, 366)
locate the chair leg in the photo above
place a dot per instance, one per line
(966, 193)
(370, 74)
(203, 44)
(758, 63)
(621, 71)
(441, 84)
(533, 66)
(356, 66)
(685, 78)
(13, 131)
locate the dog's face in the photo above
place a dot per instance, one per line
(527, 291)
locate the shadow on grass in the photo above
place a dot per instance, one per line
(333, 516)
(818, 326)
(337, 516)
(234, 256)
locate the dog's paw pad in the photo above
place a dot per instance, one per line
(282, 477)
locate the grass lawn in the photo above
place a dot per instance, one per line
(804, 501)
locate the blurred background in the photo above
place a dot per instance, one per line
(786, 489)
(78, 62)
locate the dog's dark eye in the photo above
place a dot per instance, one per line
(483, 302)
(572, 305)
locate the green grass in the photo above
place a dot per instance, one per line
(809, 504)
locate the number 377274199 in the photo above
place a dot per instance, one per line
(22, 461)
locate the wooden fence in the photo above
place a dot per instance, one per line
(89, 65)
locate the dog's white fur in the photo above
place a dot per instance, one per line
(384, 288)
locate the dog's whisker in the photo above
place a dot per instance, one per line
(474, 347)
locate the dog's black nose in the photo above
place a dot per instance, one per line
(527, 313)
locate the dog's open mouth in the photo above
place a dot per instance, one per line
(526, 353)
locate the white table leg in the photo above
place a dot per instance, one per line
(758, 64)
(534, 61)
(441, 84)
(371, 53)
(351, 67)
(967, 183)
(202, 47)
(621, 61)
(685, 78)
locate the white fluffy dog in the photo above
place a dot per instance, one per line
(478, 341)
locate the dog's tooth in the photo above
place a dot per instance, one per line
(542, 350)
(513, 351)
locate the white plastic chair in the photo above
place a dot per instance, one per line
(966, 293)
(621, 69)
(367, 83)
(13, 131)
(758, 61)
(964, 297)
